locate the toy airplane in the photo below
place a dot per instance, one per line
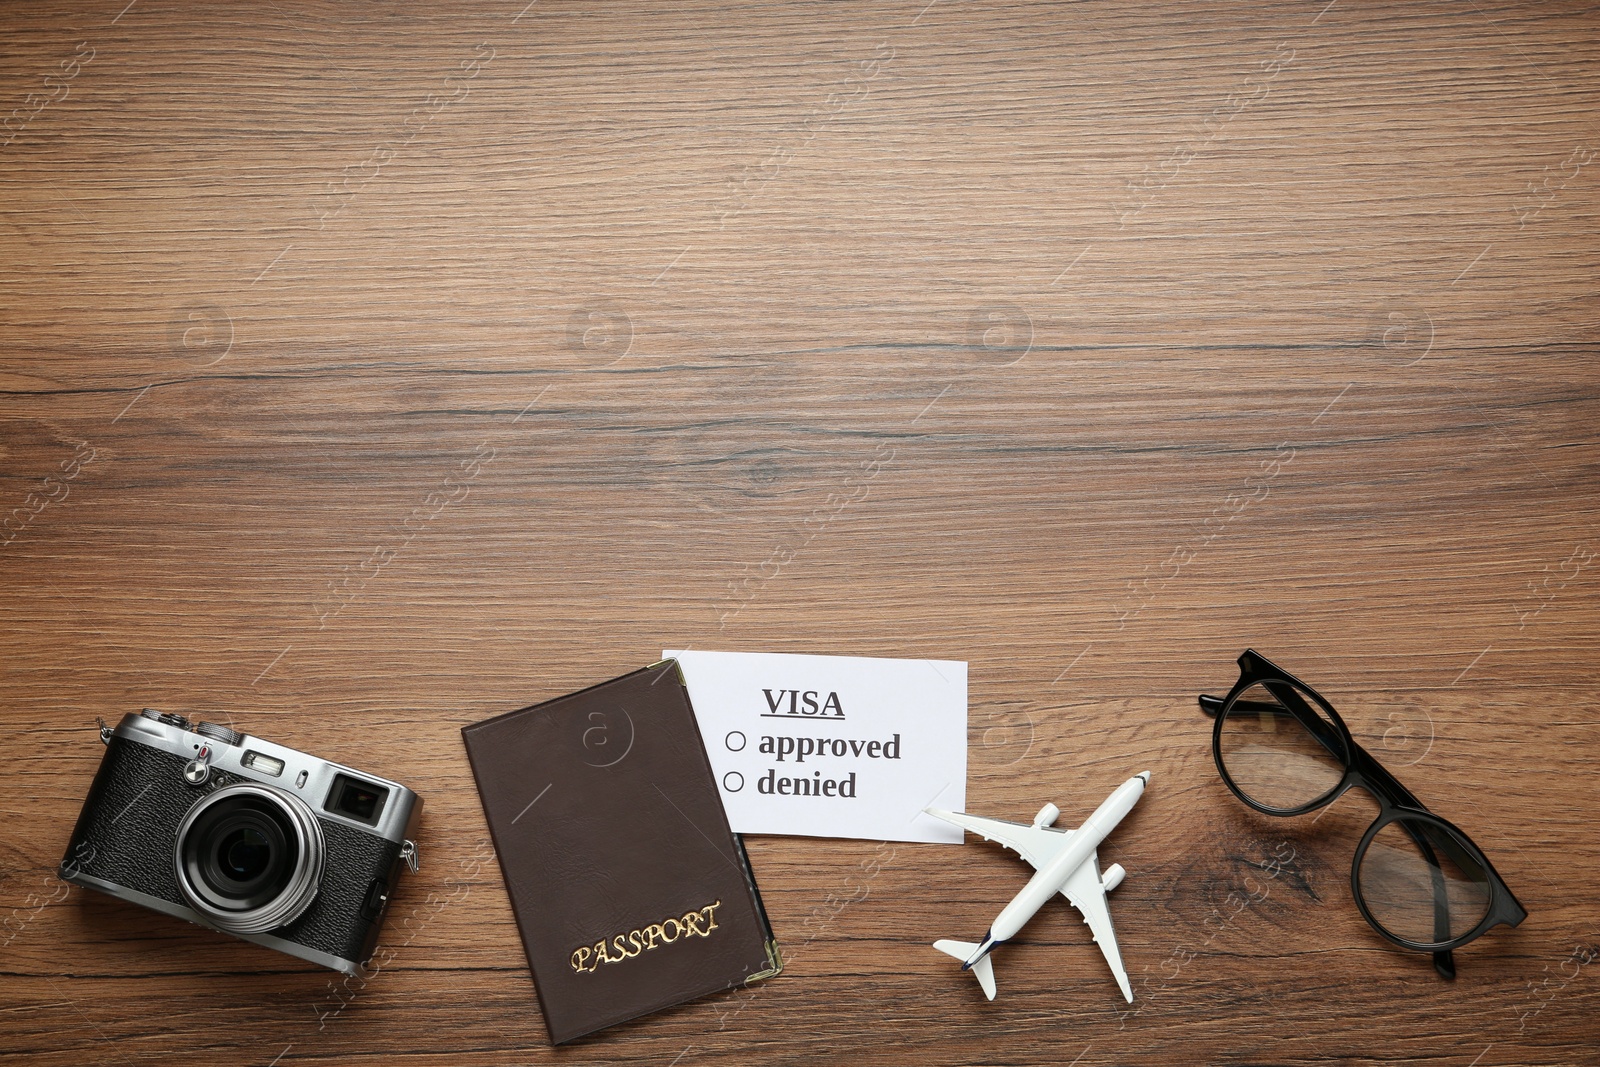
(1064, 862)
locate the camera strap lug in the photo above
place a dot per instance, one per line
(105, 731)
(408, 852)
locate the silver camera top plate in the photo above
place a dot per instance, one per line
(308, 777)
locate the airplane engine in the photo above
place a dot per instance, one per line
(1047, 816)
(1112, 876)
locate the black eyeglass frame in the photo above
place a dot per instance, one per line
(1395, 802)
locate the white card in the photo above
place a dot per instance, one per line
(833, 746)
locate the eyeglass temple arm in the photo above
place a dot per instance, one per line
(1443, 961)
(1290, 704)
(1373, 773)
(1387, 787)
(1377, 778)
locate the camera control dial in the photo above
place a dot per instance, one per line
(168, 717)
(218, 732)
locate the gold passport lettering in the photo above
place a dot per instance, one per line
(697, 923)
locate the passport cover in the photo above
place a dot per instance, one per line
(629, 889)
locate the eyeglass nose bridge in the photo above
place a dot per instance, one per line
(1364, 770)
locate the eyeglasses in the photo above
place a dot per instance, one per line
(1418, 880)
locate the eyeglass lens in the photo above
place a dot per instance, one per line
(1272, 757)
(1420, 884)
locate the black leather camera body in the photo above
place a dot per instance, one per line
(244, 836)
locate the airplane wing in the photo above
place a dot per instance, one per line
(1086, 892)
(1038, 845)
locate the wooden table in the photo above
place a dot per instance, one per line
(371, 370)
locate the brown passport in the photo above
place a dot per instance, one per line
(631, 892)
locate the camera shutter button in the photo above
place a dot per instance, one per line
(218, 732)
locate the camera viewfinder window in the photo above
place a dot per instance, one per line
(355, 799)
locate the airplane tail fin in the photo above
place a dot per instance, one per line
(982, 970)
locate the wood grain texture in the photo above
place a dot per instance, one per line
(1173, 328)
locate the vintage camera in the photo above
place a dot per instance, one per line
(247, 837)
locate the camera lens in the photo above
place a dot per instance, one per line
(249, 858)
(246, 854)
(242, 852)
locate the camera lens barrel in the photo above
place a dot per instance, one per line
(249, 858)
